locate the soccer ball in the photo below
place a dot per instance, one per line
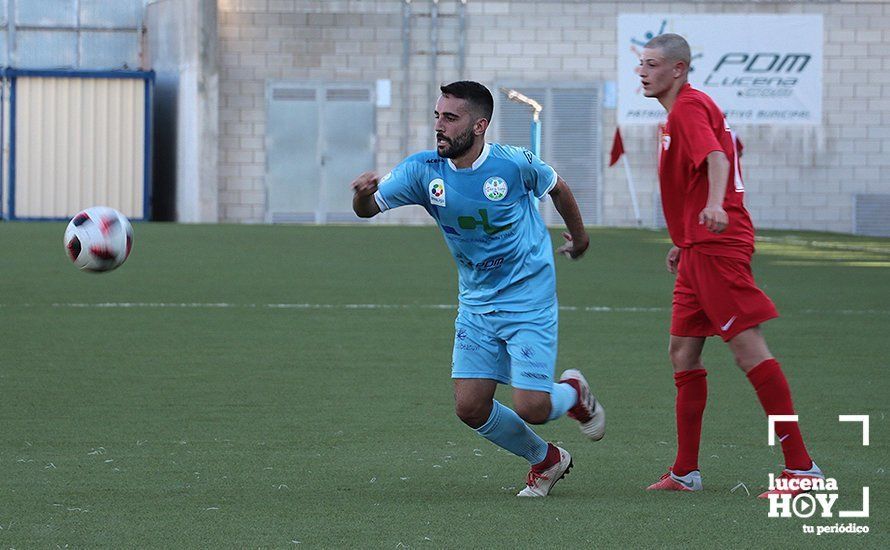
(98, 239)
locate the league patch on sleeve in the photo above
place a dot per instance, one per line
(437, 192)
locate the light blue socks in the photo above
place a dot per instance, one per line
(562, 398)
(505, 429)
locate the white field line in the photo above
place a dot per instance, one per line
(223, 305)
(452, 307)
(828, 245)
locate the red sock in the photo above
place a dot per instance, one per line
(549, 460)
(775, 396)
(692, 395)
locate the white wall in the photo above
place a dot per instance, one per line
(181, 50)
(796, 178)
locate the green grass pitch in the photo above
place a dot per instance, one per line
(242, 400)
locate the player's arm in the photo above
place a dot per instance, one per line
(713, 216)
(695, 129)
(576, 237)
(363, 189)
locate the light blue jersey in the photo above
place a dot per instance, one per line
(489, 221)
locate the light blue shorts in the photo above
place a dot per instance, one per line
(516, 348)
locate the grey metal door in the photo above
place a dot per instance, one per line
(318, 137)
(347, 142)
(292, 168)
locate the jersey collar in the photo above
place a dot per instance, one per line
(477, 163)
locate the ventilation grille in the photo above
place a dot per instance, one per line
(576, 149)
(871, 215)
(570, 140)
(348, 94)
(293, 94)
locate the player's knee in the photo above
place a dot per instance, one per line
(749, 349)
(473, 414)
(747, 361)
(533, 412)
(683, 359)
(741, 361)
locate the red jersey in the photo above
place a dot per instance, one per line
(695, 127)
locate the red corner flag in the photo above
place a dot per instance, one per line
(617, 148)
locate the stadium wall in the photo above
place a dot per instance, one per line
(797, 177)
(181, 47)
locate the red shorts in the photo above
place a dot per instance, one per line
(716, 295)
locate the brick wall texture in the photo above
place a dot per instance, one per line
(796, 178)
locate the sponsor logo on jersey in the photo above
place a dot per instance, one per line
(495, 189)
(471, 223)
(437, 192)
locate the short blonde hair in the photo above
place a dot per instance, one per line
(674, 46)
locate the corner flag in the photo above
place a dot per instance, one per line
(617, 148)
(617, 153)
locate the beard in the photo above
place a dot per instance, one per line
(457, 146)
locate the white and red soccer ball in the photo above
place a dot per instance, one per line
(98, 239)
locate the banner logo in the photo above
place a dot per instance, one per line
(759, 68)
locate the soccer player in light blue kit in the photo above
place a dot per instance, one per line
(482, 196)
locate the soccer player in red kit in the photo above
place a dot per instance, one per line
(714, 293)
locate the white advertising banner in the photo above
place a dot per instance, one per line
(760, 69)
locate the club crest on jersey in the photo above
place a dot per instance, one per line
(495, 189)
(665, 142)
(437, 192)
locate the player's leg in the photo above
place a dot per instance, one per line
(476, 407)
(531, 339)
(474, 400)
(535, 406)
(773, 392)
(749, 349)
(531, 344)
(735, 303)
(503, 427)
(765, 373)
(480, 362)
(689, 328)
(690, 379)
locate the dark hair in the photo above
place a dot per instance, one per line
(476, 94)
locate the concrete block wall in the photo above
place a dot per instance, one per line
(797, 178)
